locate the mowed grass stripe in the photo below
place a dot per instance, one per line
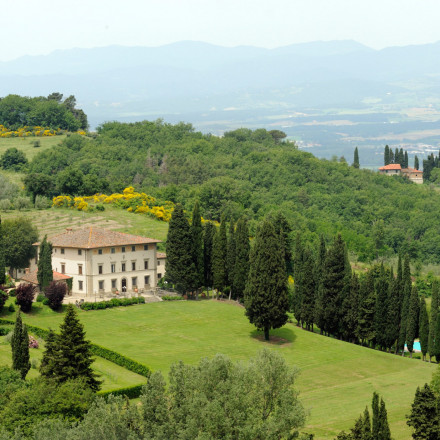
(336, 381)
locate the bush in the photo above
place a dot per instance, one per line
(13, 159)
(25, 296)
(172, 298)
(132, 392)
(55, 293)
(114, 302)
(5, 205)
(40, 298)
(13, 292)
(21, 203)
(45, 302)
(100, 207)
(36, 143)
(5, 330)
(11, 308)
(3, 298)
(42, 202)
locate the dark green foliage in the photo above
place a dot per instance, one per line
(381, 309)
(350, 307)
(180, 268)
(18, 237)
(219, 257)
(386, 159)
(406, 292)
(319, 292)
(356, 158)
(55, 293)
(208, 238)
(436, 351)
(384, 428)
(308, 289)
(25, 294)
(266, 289)
(3, 298)
(70, 355)
(196, 231)
(2, 258)
(433, 320)
(299, 273)
(405, 161)
(367, 306)
(393, 312)
(423, 327)
(416, 162)
(413, 319)
(45, 273)
(39, 184)
(13, 159)
(375, 428)
(231, 258)
(283, 229)
(132, 392)
(20, 347)
(114, 302)
(242, 250)
(425, 415)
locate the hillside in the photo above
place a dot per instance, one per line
(251, 173)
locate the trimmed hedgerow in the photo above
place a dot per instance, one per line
(132, 392)
(114, 302)
(172, 298)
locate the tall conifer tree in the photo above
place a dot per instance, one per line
(298, 288)
(381, 309)
(405, 160)
(20, 347)
(367, 305)
(434, 317)
(393, 312)
(2, 257)
(436, 351)
(318, 274)
(208, 238)
(423, 328)
(412, 319)
(386, 158)
(219, 257)
(416, 162)
(406, 291)
(231, 258)
(197, 246)
(266, 289)
(45, 274)
(356, 158)
(308, 289)
(243, 248)
(282, 227)
(351, 309)
(384, 432)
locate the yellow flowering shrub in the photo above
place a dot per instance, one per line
(32, 131)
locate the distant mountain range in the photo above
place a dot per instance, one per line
(219, 88)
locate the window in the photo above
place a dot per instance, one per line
(113, 267)
(145, 264)
(62, 250)
(133, 248)
(63, 268)
(146, 280)
(100, 269)
(145, 247)
(80, 269)
(133, 265)
(79, 251)
(99, 251)
(123, 267)
(113, 284)
(123, 249)
(134, 281)
(158, 262)
(159, 276)
(113, 250)
(101, 284)
(80, 285)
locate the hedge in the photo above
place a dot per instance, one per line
(132, 392)
(4, 331)
(172, 298)
(114, 302)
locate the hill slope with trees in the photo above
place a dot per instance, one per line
(247, 173)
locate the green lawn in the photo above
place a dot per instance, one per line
(336, 382)
(26, 144)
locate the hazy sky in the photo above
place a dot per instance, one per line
(30, 27)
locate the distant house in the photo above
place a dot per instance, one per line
(394, 169)
(161, 258)
(31, 277)
(104, 261)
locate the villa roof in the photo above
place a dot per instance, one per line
(391, 166)
(32, 277)
(161, 255)
(92, 237)
(410, 170)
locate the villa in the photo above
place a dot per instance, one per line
(395, 169)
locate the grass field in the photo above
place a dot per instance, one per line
(26, 144)
(336, 382)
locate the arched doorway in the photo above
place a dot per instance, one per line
(124, 285)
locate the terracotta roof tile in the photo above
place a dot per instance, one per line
(92, 237)
(32, 277)
(391, 166)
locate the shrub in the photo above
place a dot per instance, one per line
(25, 296)
(42, 202)
(11, 308)
(40, 298)
(100, 207)
(13, 159)
(5, 330)
(21, 203)
(114, 302)
(36, 143)
(172, 298)
(132, 392)
(55, 293)
(45, 302)
(34, 364)
(5, 205)
(3, 298)
(13, 292)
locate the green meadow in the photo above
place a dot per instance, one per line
(336, 379)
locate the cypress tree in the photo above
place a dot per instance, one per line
(180, 267)
(356, 158)
(266, 289)
(436, 352)
(406, 292)
(375, 417)
(197, 246)
(242, 249)
(367, 304)
(219, 258)
(308, 289)
(393, 311)
(402, 158)
(45, 274)
(392, 157)
(2, 257)
(69, 355)
(405, 160)
(384, 428)
(231, 258)
(396, 156)
(412, 320)
(424, 417)
(20, 347)
(386, 158)
(297, 300)
(318, 274)
(208, 238)
(51, 355)
(381, 308)
(283, 228)
(416, 162)
(351, 309)
(423, 327)
(433, 320)
(366, 426)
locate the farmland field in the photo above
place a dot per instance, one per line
(336, 382)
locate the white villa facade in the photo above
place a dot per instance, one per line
(105, 261)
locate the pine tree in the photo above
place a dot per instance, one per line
(45, 274)
(386, 158)
(423, 328)
(2, 257)
(20, 347)
(196, 231)
(433, 320)
(208, 238)
(381, 308)
(242, 249)
(230, 258)
(412, 320)
(308, 289)
(180, 268)
(416, 162)
(356, 158)
(68, 355)
(425, 415)
(283, 228)
(266, 289)
(219, 258)
(318, 275)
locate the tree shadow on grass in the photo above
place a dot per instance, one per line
(282, 337)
